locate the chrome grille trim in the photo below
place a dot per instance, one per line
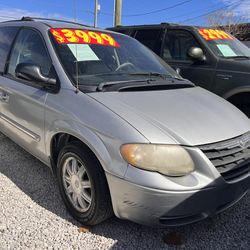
(231, 157)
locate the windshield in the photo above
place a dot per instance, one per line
(91, 57)
(223, 44)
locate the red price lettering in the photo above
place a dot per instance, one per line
(83, 36)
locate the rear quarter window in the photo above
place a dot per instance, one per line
(7, 35)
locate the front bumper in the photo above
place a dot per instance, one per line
(156, 207)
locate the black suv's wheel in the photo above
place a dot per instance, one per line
(83, 185)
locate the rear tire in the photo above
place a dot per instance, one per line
(83, 185)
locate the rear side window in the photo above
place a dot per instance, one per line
(7, 35)
(177, 44)
(150, 38)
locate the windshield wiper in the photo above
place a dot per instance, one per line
(163, 76)
(102, 85)
(236, 57)
(110, 74)
(142, 84)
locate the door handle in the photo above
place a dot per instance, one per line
(224, 77)
(4, 97)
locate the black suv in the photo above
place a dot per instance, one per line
(209, 58)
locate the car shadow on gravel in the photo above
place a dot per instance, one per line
(33, 177)
(228, 230)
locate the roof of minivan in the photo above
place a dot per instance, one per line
(47, 23)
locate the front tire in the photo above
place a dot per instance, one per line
(83, 185)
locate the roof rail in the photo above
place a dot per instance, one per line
(28, 18)
(169, 24)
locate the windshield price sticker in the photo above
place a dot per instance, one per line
(211, 34)
(66, 36)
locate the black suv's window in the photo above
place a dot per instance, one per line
(7, 35)
(29, 48)
(150, 38)
(177, 43)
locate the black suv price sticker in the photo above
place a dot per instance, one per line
(211, 34)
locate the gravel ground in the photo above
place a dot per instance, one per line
(32, 216)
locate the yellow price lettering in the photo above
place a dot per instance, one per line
(70, 35)
(215, 33)
(82, 34)
(203, 34)
(224, 34)
(108, 38)
(58, 37)
(96, 37)
(210, 35)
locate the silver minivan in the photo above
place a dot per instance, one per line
(122, 131)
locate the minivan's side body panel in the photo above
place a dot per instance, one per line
(7, 37)
(24, 115)
(23, 110)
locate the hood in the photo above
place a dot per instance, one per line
(188, 116)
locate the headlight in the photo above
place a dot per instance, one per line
(172, 160)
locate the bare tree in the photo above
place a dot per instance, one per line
(230, 22)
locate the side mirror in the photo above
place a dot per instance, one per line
(178, 71)
(32, 72)
(196, 54)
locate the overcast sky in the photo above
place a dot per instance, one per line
(134, 11)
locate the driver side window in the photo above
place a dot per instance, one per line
(29, 48)
(177, 44)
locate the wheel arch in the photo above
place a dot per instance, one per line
(97, 148)
(240, 97)
(236, 91)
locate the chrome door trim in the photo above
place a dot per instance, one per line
(21, 128)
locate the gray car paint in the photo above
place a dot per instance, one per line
(105, 121)
(154, 113)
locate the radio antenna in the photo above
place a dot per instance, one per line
(76, 48)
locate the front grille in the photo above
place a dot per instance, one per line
(230, 157)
